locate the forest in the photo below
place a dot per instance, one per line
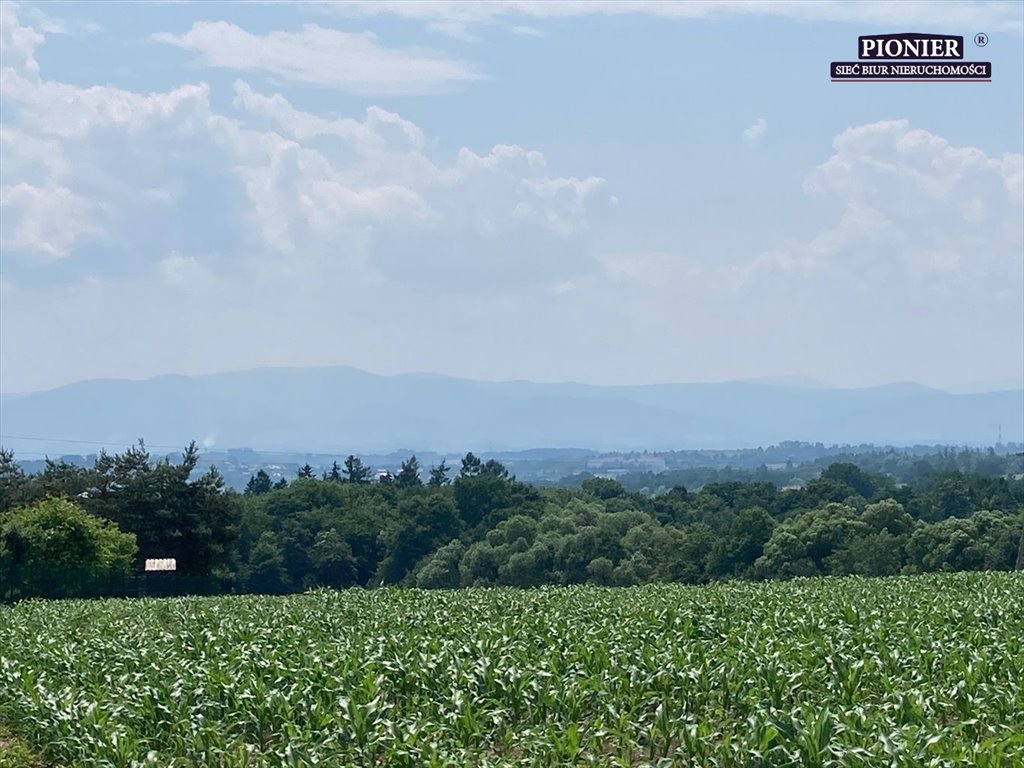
(803, 461)
(85, 531)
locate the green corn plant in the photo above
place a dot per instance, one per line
(836, 673)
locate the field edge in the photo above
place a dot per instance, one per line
(15, 752)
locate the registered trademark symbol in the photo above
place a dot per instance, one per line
(981, 39)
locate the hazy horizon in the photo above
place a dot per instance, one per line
(343, 408)
(782, 380)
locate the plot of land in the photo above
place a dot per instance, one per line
(922, 671)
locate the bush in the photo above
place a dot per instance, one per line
(53, 548)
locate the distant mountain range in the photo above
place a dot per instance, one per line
(341, 410)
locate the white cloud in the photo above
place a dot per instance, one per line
(527, 31)
(31, 158)
(914, 209)
(463, 14)
(387, 177)
(756, 132)
(60, 144)
(454, 29)
(322, 56)
(45, 220)
(379, 130)
(17, 40)
(893, 277)
(71, 112)
(360, 192)
(67, 111)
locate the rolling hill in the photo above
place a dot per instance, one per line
(344, 410)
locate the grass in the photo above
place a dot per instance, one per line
(824, 673)
(15, 753)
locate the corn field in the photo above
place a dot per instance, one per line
(907, 671)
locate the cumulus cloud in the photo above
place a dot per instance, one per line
(44, 220)
(854, 291)
(374, 132)
(322, 56)
(272, 181)
(303, 195)
(915, 206)
(918, 239)
(756, 132)
(32, 158)
(71, 112)
(17, 40)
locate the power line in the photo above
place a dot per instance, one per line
(203, 449)
(80, 442)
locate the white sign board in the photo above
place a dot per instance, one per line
(162, 564)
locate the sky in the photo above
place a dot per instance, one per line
(603, 192)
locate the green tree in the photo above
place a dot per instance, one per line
(601, 571)
(12, 480)
(888, 515)
(862, 483)
(258, 484)
(634, 570)
(878, 553)
(492, 468)
(484, 500)
(305, 472)
(409, 475)
(53, 548)
(784, 556)
(438, 475)
(441, 571)
(737, 551)
(423, 522)
(811, 542)
(266, 571)
(827, 489)
(470, 465)
(950, 496)
(603, 487)
(171, 515)
(333, 562)
(356, 471)
(529, 568)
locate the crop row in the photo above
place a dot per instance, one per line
(909, 671)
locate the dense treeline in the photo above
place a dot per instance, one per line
(903, 465)
(477, 525)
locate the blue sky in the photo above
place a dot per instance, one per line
(605, 192)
